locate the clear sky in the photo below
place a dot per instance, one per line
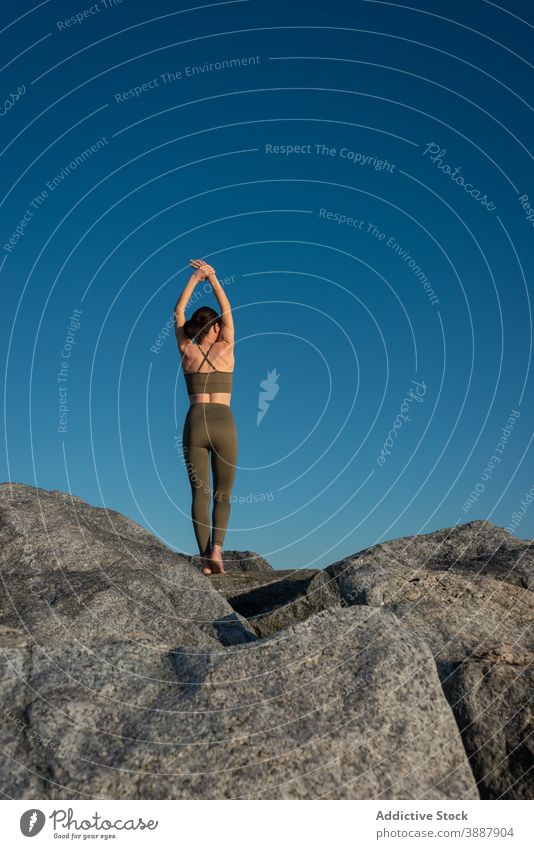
(359, 175)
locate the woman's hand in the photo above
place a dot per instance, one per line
(203, 271)
(198, 273)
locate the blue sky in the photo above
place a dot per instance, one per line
(360, 174)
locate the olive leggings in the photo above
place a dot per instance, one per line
(210, 428)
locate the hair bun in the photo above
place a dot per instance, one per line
(200, 322)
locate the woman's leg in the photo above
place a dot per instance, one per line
(223, 466)
(196, 458)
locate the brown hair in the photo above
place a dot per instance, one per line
(200, 322)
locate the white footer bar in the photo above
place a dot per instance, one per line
(268, 824)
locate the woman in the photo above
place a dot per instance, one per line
(206, 343)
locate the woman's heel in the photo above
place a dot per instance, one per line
(205, 562)
(216, 560)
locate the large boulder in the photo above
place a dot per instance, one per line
(66, 710)
(463, 591)
(72, 572)
(345, 705)
(476, 548)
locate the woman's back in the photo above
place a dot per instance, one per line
(220, 354)
(208, 372)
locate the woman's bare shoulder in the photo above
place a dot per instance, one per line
(187, 355)
(222, 352)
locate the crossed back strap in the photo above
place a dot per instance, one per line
(206, 358)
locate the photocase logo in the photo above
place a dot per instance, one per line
(269, 389)
(31, 822)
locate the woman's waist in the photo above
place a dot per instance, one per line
(205, 382)
(209, 408)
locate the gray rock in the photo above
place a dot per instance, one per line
(23, 758)
(345, 705)
(476, 548)
(69, 711)
(454, 590)
(270, 601)
(75, 572)
(492, 696)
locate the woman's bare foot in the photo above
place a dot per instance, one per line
(216, 561)
(205, 562)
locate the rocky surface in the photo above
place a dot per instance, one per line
(75, 572)
(403, 671)
(491, 696)
(270, 601)
(463, 591)
(475, 549)
(345, 705)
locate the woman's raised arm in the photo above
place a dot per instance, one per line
(181, 303)
(226, 333)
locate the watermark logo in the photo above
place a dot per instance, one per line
(64, 372)
(414, 394)
(43, 196)
(65, 819)
(32, 822)
(519, 515)
(11, 100)
(528, 209)
(370, 229)
(356, 157)
(493, 462)
(81, 17)
(171, 77)
(437, 154)
(269, 390)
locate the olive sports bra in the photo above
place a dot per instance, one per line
(202, 383)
